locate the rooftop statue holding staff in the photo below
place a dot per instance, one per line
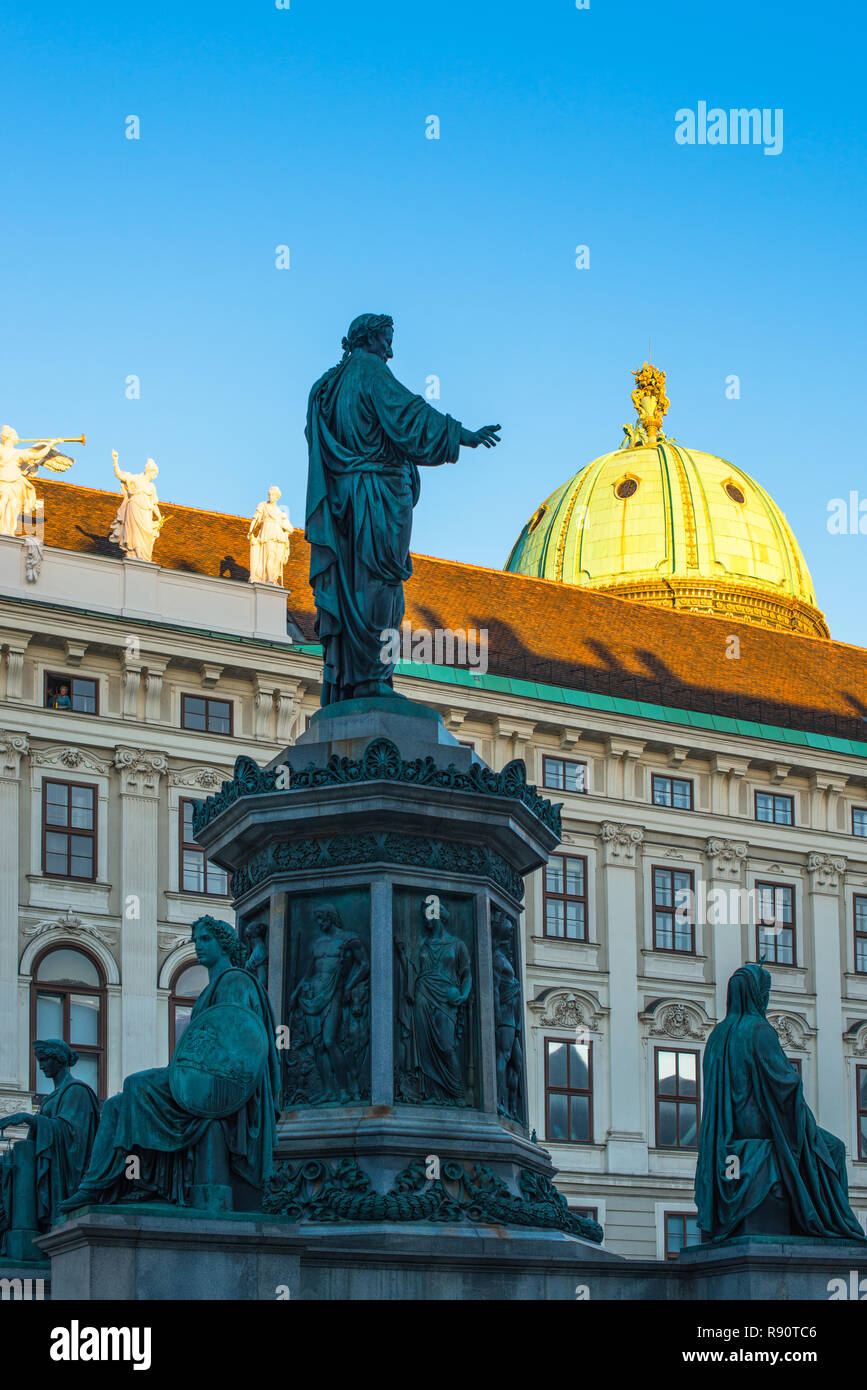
(139, 520)
(367, 436)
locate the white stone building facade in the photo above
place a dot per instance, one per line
(608, 966)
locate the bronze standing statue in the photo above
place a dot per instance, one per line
(367, 436)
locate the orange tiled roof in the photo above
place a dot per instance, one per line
(537, 629)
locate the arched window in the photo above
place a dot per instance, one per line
(188, 982)
(67, 1000)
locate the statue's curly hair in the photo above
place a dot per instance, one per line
(56, 1047)
(361, 329)
(226, 935)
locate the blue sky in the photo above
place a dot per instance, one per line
(305, 127)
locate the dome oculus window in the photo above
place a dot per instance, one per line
(735, 493)
(536, 518)
(627, 487)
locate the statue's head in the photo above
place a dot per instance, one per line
(274, 494)
(749, 990)
(215, 939)
(151, 469)
(432, 914)
(54, 1055)
(256, 931)
(371, 332)
(8, 435)
(327, 917)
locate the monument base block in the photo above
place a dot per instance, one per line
(149, 1251)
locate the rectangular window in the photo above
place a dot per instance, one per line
(206, 715)
(198, 874)
(76, 693)
(565, 897)
(861, 1101)
(672, 791)
(562, 775)
(589, 1213)
(569, 1091)
(775, 922)
(68, 830)
(677, 1098)
(859, 821)
(778, 810)
(796, 1063)
(681, 1229)
(860, 934)
(674, 910)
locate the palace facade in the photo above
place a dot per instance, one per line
(706, 739)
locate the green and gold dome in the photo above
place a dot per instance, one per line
(657, 523)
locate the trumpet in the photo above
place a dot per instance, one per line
(80, 440)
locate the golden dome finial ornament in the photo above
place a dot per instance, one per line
(651, 404)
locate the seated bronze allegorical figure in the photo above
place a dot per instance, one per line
(222, 1085)
(38, 1172)
(765, 1168)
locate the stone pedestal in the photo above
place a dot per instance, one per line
(389, 863)
(774, 1268)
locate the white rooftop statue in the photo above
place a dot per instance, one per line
(269, 535)
(17, 466)
(139, 520)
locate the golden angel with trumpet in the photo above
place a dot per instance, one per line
(18, 500)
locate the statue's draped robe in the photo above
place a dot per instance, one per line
(62, 1137)
(133, 527)
(443, 965)
(367, 435)
(146, 1120)
(754, 1109)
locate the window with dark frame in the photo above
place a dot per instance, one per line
(565, 897)
(796, 1063)
(775, 808)
(860, 916)
(68, 830)
(568, 1091)
(674, 910)
(775, 923)
(681, 1229)
(672, 791)
(861, 1103)
(564, 774)
(197, 873)
(67, 1000)
(188, 982)
(589, 1213)
(79, 694)
(676, 1087)
(859, 821)
(205, 715)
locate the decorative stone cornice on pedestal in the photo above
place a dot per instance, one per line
(140, 771)
(521, 730)
(619, 841)
(677, 756)
(676, 1018)
(725, 857)
(13, 747)
(69, 758)
(779, 772)
(825, 871)
(204, 779)
(453, 717)
(567, 1008)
